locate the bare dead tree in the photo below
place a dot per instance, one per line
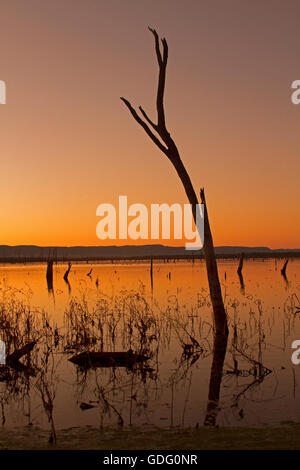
(241, 264)
(239, 271)
(283, 269)
(283, 272)
(161, 137)
(67, 272)
(49, 275)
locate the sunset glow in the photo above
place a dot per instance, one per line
(68, 143)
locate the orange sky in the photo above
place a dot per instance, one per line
(69, 144)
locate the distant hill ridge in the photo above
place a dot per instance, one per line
(93, 252)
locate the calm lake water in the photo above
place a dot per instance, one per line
(115, 309)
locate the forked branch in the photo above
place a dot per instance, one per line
(145, 126)
(160, 135)
(160, 127)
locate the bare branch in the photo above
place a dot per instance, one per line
(148, 119)
(157, 48)
(145, 127)
(165, 49)
(162, 62)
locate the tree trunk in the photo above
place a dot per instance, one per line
(161, 137)
(216, 374)
(220, 317)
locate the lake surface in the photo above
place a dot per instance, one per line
(115, 309)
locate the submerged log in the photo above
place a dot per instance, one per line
(18, 353)
(108, 359)
(13, 360)
(86, 406)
